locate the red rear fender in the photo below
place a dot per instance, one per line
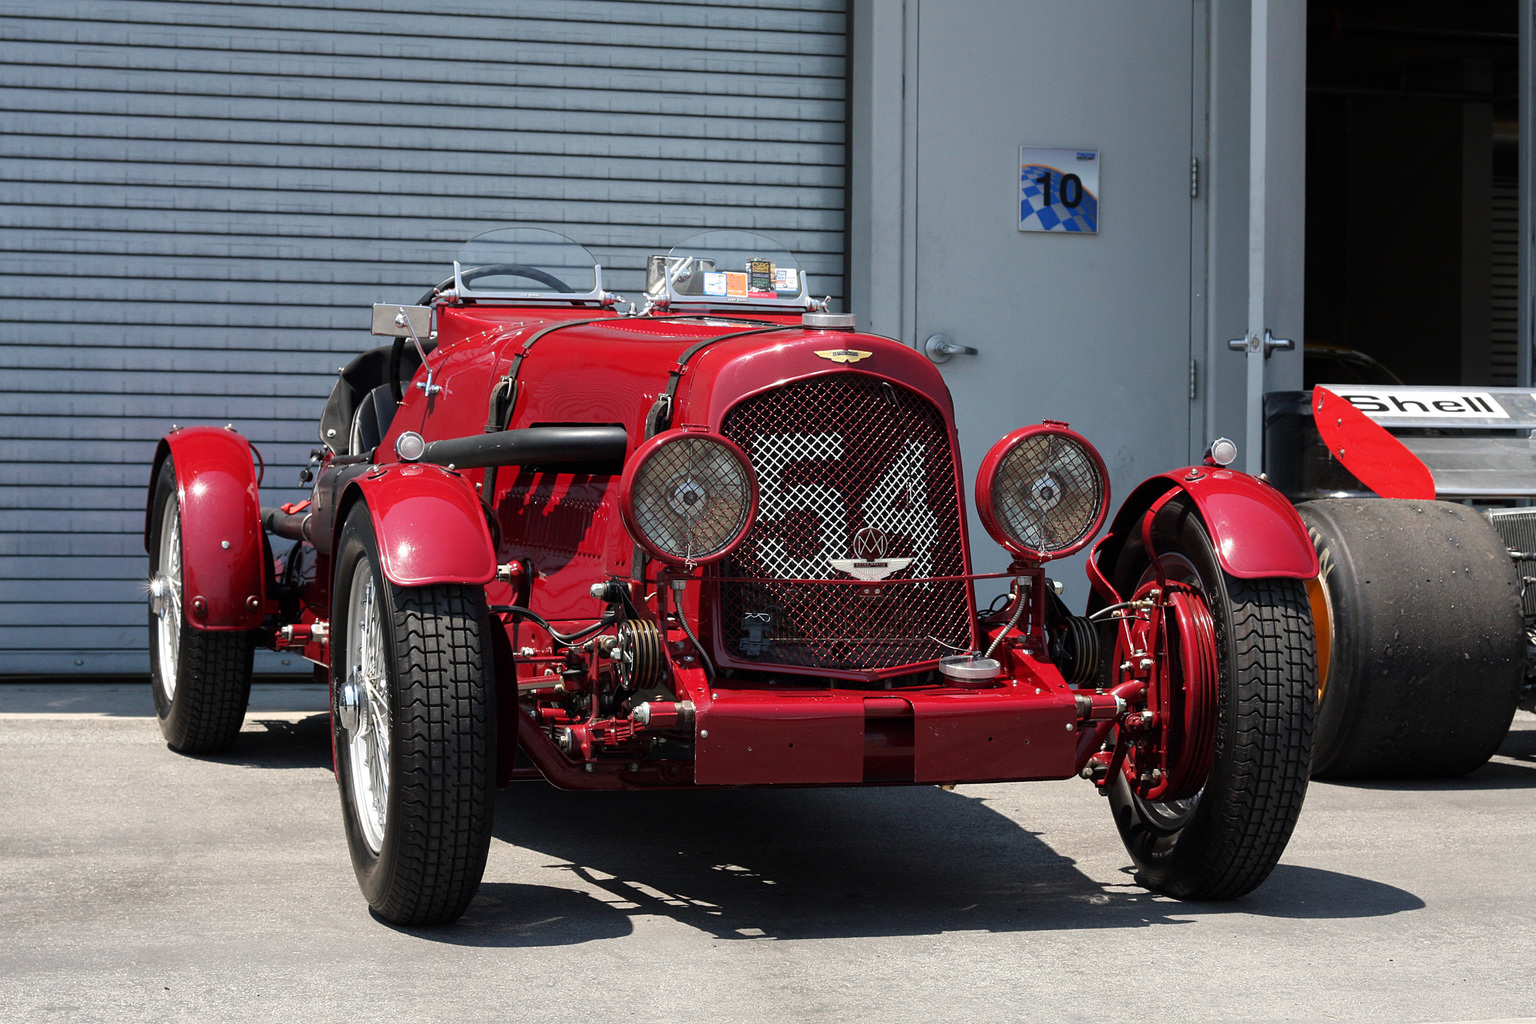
(1256, 531)
(429, 524)
(222, 554)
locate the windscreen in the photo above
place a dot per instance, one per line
(735, 266)
(522, 260)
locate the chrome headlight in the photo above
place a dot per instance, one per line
(1042, 492)
(687, 497)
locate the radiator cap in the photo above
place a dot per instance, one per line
(829, 321)
(969, 668)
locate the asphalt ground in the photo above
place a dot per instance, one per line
(139, 885)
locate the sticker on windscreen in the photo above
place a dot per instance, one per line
(760, 278)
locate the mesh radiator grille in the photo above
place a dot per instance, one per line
(856, 481)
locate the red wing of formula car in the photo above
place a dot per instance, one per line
(1366, 449)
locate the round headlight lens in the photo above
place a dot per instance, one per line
(1042, 492)
(688, 498)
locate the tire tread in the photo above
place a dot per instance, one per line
(443, 742)
(213, 691)
(1276, 662)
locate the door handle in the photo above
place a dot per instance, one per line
(1268, 342)
(940, 347)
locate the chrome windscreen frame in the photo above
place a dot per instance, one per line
(597, 296)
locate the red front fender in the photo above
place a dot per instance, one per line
(1255, 529)
(429, 523)
(222, 555)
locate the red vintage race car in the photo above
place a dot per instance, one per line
(719, 539)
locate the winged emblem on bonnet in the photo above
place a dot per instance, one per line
(844, 355)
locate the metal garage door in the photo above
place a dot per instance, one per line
(200, 200)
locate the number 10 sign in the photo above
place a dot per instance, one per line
(1058, 190)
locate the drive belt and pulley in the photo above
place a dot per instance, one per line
(637, 655)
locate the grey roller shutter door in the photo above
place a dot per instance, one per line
(201, 199)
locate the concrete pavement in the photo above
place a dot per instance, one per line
(141, 885)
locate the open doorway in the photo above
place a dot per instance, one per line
(1412, 192)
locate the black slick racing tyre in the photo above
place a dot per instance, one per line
(201, 678)
(1224, 840)
(414, 733)
(1422, 636)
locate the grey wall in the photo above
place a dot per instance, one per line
(200, 199)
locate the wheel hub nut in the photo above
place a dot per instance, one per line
(346, 706)
(159, 591)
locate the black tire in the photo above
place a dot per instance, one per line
(1226, 840)
(1426, 652)
(201, 678)
(420, 852)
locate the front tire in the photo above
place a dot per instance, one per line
(1225, 839)
(413, 730)
(201, 678)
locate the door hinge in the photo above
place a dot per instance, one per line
(1194, 379)
(1194, 177)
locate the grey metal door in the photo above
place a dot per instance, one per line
(1091, 328)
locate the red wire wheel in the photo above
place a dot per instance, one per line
(1182, 690)
(1042, 492)
(688, 497)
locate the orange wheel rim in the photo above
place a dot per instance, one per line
(1322, 627)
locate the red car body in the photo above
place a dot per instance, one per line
(791, 674)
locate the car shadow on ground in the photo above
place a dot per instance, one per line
(825, 863)
(1513, 767)
(281, 743)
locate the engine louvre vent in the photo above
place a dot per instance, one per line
(856, 481)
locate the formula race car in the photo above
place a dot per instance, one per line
(1417, 499)
(713, 539)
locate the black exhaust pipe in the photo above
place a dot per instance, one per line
(293, 525)
(531, 446)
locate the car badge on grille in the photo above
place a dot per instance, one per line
(869, 561)
(843, 355)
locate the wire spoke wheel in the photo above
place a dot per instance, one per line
(414, 738)
(165, 599)
(369, 728)
(200, 678)
(1211, 792)
(1166, 763)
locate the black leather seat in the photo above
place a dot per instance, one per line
(371, 420)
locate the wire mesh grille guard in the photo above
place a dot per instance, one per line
(691, 498)
(856, 480)
(1048, 491)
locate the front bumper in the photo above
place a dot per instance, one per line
(1023, 729)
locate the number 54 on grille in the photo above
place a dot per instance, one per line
(716, 537)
